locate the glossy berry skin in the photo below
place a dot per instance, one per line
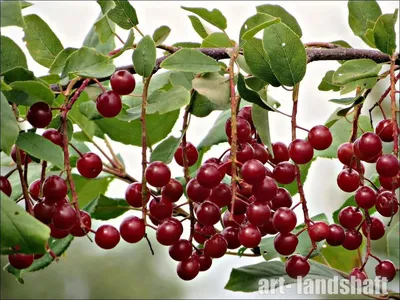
(191, 154)
(258, 213)
(109, 104)
(296, 266)
(202, 232)
(216, 246)
(384, 129)
(386, 269)
(390, 183)
(107, 237)
(54, 188)
(221, 195)
(350, 217)
(168, 233)
(22, 154)
(132, 229)
(181, 250)
(357, 274)
(386, 204)
(369, 146)
(284, 220)
(260, 153)
(20, 260)
(244, 152)
(173, 191)
(280, 153)
(208, 213)
(39, 115)
(320, 137)
(376, 230)
(63, 216)
(249, 236)
(253, 171)
(77, 230)
(43, 212)
(301, 151)
(54, 136)
(208, 176)
(348, 180)
(265, 190)
(269, 227)
(188, 269)
(196, 192)
(204, 261)
(57, 233)
(281, 199)
(352, 240)
(231, 234)
(89, 165)
(160, 209)
(5, 186)
(285, 244)
(122, 82)
(345, 153)
(365, 197)
(34, 189)
(158, 174)
(240, 205)
(319, 231)
(336, 235)
(284, 172)
(133, 194)
(236, 220)
(388, 165)
(245, 112)
(243, 129)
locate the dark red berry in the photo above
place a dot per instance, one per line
(384, 129)
(345, 153)
(265, 190)
(20, 260)
(365, 197)
(243, 129)
(301, 151)
(202, 232)
(245, 152)
(348, 180)
(389, 183)
(352, 240)
(122, 82)
(208, 213)
(350, 217)
(181, 250)
(285, 243)
(320, 137)
(376, 229)
(208, 176)
(173, 191)
(196, 192)
(158, 174)
(216, 246)
(284, 172)
(22, 155)
(57, 233)
(63, 216)
(231, 234)
(258, 213)
(188, 269)
(109, 104)
(388, 165)
(132, 229)
(240, 205)
(386, 269)
(5, 186)
(133, 194)
(43, 212)
(34, 189)
(297, 266)
(336, 235)
(318, 231)
(260, 153)
(253, 171)
(280, 153)
(39, 115)
(386, 204)
(191, 154)
(168, 233)
(107, 237)
(77, 230)
(204, 261)
(357, 274)
(282, 199)
(54, 188)
(160, 208)
(54, 136)
(249, 236)
(284, 220)
(269, 227)
(221, 195)
(89, 165)
(245, 112)
(369, 146)
(235, 221)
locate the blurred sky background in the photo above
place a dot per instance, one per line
(129, 271)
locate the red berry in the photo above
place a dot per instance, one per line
(301, 151)
(269, 227)
(57, 233)
(336, 235)
(245, 152)
(253, 171)
(158, 174)
(258, 213)
(388, 165)
(386, 204)
(285, 244)
(352, 240)
(173, 191)
(348, 180)
(160, 209)
(376, 229)
(319, 231)
(89, 165)
(240, 205)
(34, 189)
(282, 199)
(107, 237)
(77, 230)
(221, 195)
(345, 153)
(284, 172)
(320, 137)
(208, 176)
(208, 213)
(43, 212)
(22, 154)
(191, 154)
(280, 152)
(243, 129)
(133, 194)
(196, 192)
(260, 153)
(204, 261)
(384, 129)
(181, 250)
(350, 217)
(168, 233)
(365, 197)
(20, 260)
(284, 220)
(216, 246)
(296, 266)
(202, 232)
(5, 186)
(249, 236)
(357, 274)
(231, 234)
(122, 82)
(54, 136)
(109, 104)
(54, 188)
(245, 112)
(265, 190)
(188, 269)
(39, 115)
(390, 183)
(235, 221)
(369, 145)
(386, 269)
(132, 229)
(63, 216)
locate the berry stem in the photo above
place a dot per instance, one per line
(368, 251)
(149, 243)
(103, 89)
(243, 254)
(393, 106)
(76, 149)
(10, 173)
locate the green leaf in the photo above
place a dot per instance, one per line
(89, 110)
(58, 246)
(182, 79)
(8, 125)
(92, 39)
(190, 45)
(58, 64)
(89, 189)
(4, 86)
(198, 26)
(34, 144)
(356, 69)
(256, 23)
(105, 5)
(25, 4)
(213, 86)
(344, 101)
(42, 43)
(165, 150)
(50, 79)
(385, 34)
(393, 243)
(261, 123)
(286, 53)
(86, 62)
(36, 91)
(216, 40)
(327, 84)
(56, 123)
(366, 83)
(17, 74)
(128, 44)
(161, 34)
(104, 29)
(251, 96)
(11, 55)
(247, 278)
(123, 14)
(214, 17)
(20, 229)
(279, 12)
(189, 60)
(105, 208)
(362, 16)
(202, 107)
(258, 62)
(11, 14)
(144, 56)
